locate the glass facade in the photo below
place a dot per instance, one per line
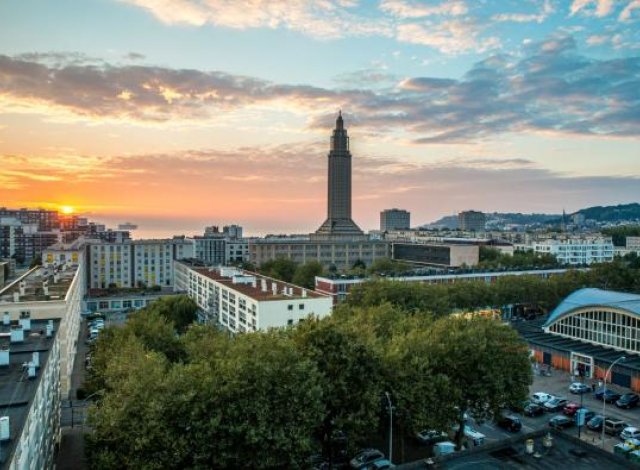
(601, 326)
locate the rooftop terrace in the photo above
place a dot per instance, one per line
(39, 284)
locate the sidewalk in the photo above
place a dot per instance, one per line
(71, 454)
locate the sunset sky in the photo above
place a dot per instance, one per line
(176, 114)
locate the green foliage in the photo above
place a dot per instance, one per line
(181, 310)
(387, 266)
(279, 268)
(612, 213)
(305, 275)
(491, 258)
(620, 234)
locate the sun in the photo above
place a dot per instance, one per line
(67, 210)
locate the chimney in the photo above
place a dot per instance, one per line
(45, 288)
(25, 321)
(55, 278)
(274, 288)
(4, 355)
(31, 370)
(5, 429)
(23, 287)
(16, 296)
(17, 334)
(35, 358)
(6, 321)
(304, 293)
(254, 283)
(263, 285)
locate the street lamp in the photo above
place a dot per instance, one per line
(604, 393)
(386, 394)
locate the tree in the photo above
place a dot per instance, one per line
(305, 274)
(486, 363)
(352, 373)
(279, 268)
(181, 310)
(387, 266)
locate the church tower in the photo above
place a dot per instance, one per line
(339, 223)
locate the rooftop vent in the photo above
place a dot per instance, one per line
(25, 321)
(5, 429)
(50, 329)
(31, 370)
(17, 334)
(4, 355)
(35, 358)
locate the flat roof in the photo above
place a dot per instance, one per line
(33, 280)
(565, 452)
(257, 293)
(16, 389)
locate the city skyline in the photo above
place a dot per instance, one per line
(207, 112)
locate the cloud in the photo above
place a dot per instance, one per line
(600, 7)
(549, 88)
(449, 37)
(546, 9)
(408, 9)
(318, 18)
(291, 188)
(597, 39)
(625, 14)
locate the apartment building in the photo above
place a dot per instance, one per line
(243, 301)
(577, 251)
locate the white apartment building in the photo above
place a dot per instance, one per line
(136, 262)
(242, 301)
(577, 251)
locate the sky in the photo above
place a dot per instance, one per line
(177, 114)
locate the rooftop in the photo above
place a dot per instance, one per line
(565, 452)
(40, 284)
(257, 286)
(17, 390)
(597, 298)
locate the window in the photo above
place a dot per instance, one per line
(289, 307)
(289, 322)
(301, 306)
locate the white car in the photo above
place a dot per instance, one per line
(540, 398)
(578, 387)
(475, 436)
(630, 432)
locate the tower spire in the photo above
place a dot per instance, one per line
(339, 121)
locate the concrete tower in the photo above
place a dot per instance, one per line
(339, 223)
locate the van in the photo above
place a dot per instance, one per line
(614, 426)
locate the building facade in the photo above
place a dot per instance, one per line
(472, 221)
(394, 219)
(242, 301)
(577, 251)
(338, 253)
(587, 333)
(434, 254)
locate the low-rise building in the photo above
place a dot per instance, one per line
(577, 250)
(435, 254)
(330, 252)
(243, 301)
(338, 286)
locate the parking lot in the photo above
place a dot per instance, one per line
(558, 384)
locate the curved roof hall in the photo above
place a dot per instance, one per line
(595, 298)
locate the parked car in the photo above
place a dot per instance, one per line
(561, 422)
(431, 437)
(571, 408)
(474, 436)
(382, 464)
(365, 457)
(595, 423)
(614, 426)
(533, 410)
(611, 396)
(628, 400)
(630, 432)
(540, 398)
(510, 423)
(588, 414)
(444, 448)
(578, 388)
(555, 404)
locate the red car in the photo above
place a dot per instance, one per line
(571, 409)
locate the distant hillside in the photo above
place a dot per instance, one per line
(617, 213)
(451, 221)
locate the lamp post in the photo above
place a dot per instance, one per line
(604, 393)
(386, 394)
